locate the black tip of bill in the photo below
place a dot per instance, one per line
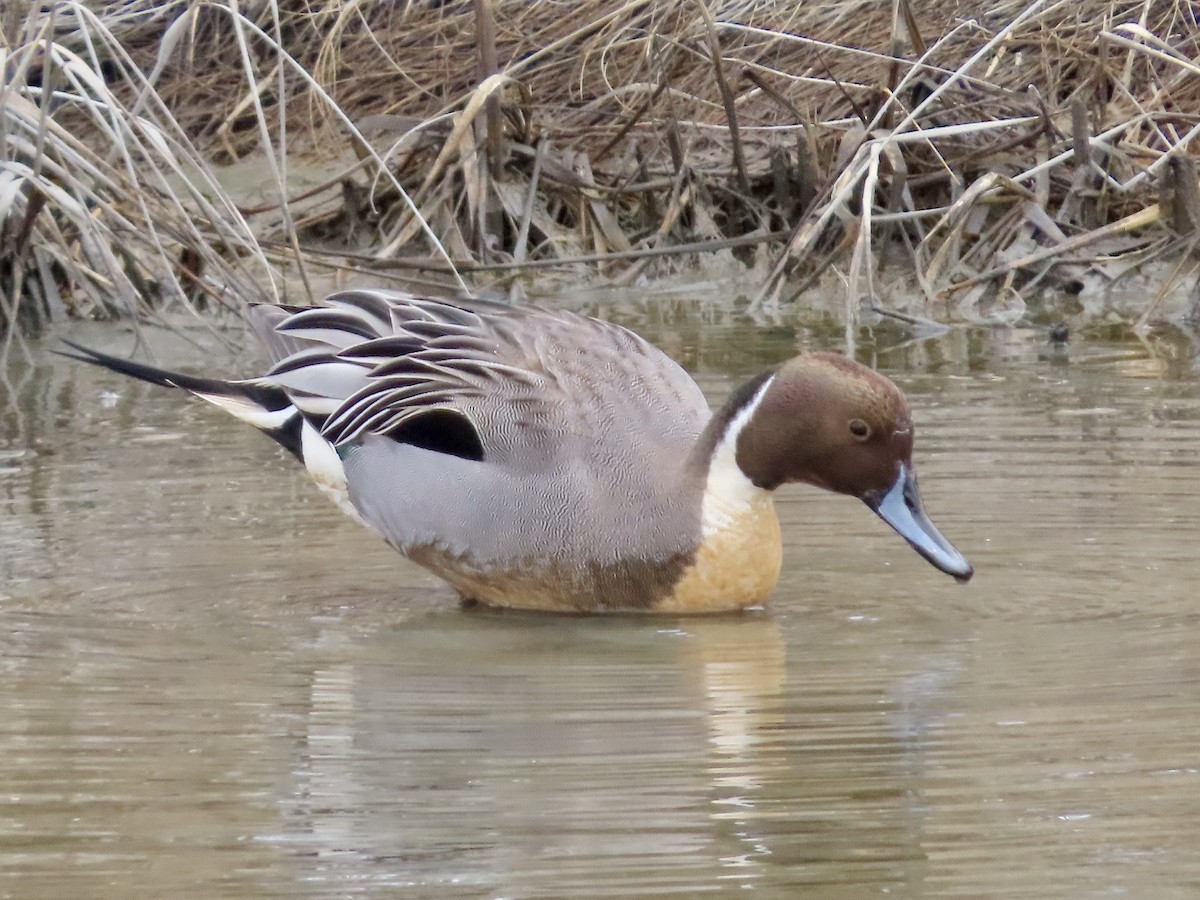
(901, 508)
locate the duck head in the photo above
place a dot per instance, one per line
(826, 420)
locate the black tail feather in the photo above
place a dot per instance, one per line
(143, 372)
(268, 398)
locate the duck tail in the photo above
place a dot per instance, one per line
(264, 406)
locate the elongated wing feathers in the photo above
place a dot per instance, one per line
(530, 383)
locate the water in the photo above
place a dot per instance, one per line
(212, 685)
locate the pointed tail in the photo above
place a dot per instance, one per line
(264, 406)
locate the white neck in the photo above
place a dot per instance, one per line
(728, 493)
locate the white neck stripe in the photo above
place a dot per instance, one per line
(728, 442)
(728, 493)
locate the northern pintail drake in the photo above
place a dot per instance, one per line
(545, 460)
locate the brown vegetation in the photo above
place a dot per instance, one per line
(987, 150)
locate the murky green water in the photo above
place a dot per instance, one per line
(212, 685)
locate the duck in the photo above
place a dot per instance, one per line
(541, 459)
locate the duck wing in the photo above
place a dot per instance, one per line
(516, 386)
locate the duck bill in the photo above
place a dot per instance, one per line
(900, 506)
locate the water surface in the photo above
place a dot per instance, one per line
(213, 685)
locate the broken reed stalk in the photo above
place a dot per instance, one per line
(485, 29)
(694, 248)
(522, 242)
(735, 143)
(489, 131)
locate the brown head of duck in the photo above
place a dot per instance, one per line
(826, 420)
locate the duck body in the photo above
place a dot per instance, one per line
(545, 460)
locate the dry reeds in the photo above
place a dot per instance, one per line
(106, 207)
(990, 149)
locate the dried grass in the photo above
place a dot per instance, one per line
(992, 149)
(106, 207)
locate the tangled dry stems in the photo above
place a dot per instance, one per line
(990, 149)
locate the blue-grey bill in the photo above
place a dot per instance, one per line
(901, 508)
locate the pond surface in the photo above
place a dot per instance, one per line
(213, 685)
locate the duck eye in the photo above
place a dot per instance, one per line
(860, 429)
